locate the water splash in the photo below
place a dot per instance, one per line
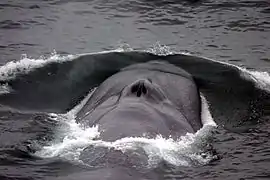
(26, 64)
(159, 49)
(185, 151)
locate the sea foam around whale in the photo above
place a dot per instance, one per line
(184, 151)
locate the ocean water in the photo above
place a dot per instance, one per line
(54, 53)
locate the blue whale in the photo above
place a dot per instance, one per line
(147, 99)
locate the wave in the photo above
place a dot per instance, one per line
(58, 83)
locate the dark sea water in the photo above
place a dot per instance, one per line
(39, 138)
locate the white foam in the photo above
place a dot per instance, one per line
(26, 64)
(70, 142)
(206, 116)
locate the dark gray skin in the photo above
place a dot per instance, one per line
(144, 100)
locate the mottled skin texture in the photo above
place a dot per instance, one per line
(144, 100)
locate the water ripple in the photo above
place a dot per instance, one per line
(9, 24)
(21, 24)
